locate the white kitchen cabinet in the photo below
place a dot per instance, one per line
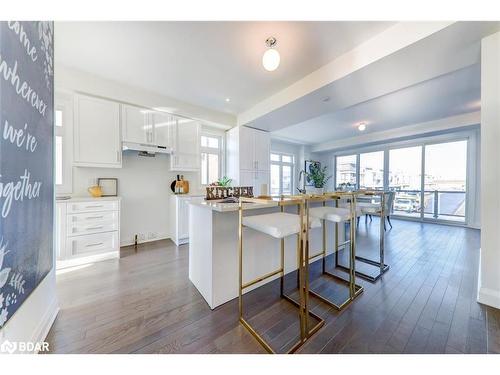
(186, 145)
(87, 230)
(254, 178)
(147, 127)
(246, 147)
(248, 152)
(97, 135)
(180, 217)
(163, 129)
(137, 126)
(262, 150)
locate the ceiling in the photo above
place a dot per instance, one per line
(203, 63)
(448, 95)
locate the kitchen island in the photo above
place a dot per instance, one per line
(213, 249)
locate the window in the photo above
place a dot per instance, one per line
(429, 178)
(405, 173)
(445, 180)
(346, 170)
(282, 166)
(371, 170)
(211, 158)
(62, 148)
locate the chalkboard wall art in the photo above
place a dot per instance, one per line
(26, 160)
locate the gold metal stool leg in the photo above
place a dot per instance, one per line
(354, 290)
(302, 305)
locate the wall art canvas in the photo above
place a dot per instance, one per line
(307, 168)
(26, 160)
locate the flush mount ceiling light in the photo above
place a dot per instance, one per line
(362, 126)
(271, 58)
(228, 100)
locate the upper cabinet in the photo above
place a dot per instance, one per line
(104, 127)
(146, 127)
(186, 145)
(163, 124)
(97, 137)
(136, 125)
(262, 150)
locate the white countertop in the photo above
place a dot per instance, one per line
(87, 199)
(216, 205)
(188, 195)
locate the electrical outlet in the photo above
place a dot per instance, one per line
(152, 235)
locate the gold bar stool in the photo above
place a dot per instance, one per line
(279, 225)
(337, 215)
(374, 209)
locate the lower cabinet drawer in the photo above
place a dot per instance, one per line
(93, 243)
(88, 223)
(93, 206)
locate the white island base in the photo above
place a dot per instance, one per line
(213, 250)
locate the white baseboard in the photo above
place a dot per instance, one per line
(61, 264)
(48, 319)
(489, 297)
(159, 238)
(32, 321)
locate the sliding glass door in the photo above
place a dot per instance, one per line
(346, 171)
(429, 178)
(405, 177)
(445, 180)
(371, 170)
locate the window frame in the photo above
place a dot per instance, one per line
(281, 164)
(64, 102)
(470, 190)
(219, 151)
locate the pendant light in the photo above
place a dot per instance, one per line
(271, 58)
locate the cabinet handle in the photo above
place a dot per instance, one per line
(94, 217)
(94, 228)
(95, 244)
(117, 155)
(96, 206)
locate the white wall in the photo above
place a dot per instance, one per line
(489, 278)
(144, 183)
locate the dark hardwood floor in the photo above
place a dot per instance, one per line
(144, 303)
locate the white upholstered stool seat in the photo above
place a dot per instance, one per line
(368, 208)
(335, 214)
(359, 210)
(278, 224)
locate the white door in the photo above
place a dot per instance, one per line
(262, 150)
(246, 148)
(163, 123)
(97, 137)
(136, 125)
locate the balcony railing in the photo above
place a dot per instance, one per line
(437, 204)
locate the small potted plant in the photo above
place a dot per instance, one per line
(319, 178)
